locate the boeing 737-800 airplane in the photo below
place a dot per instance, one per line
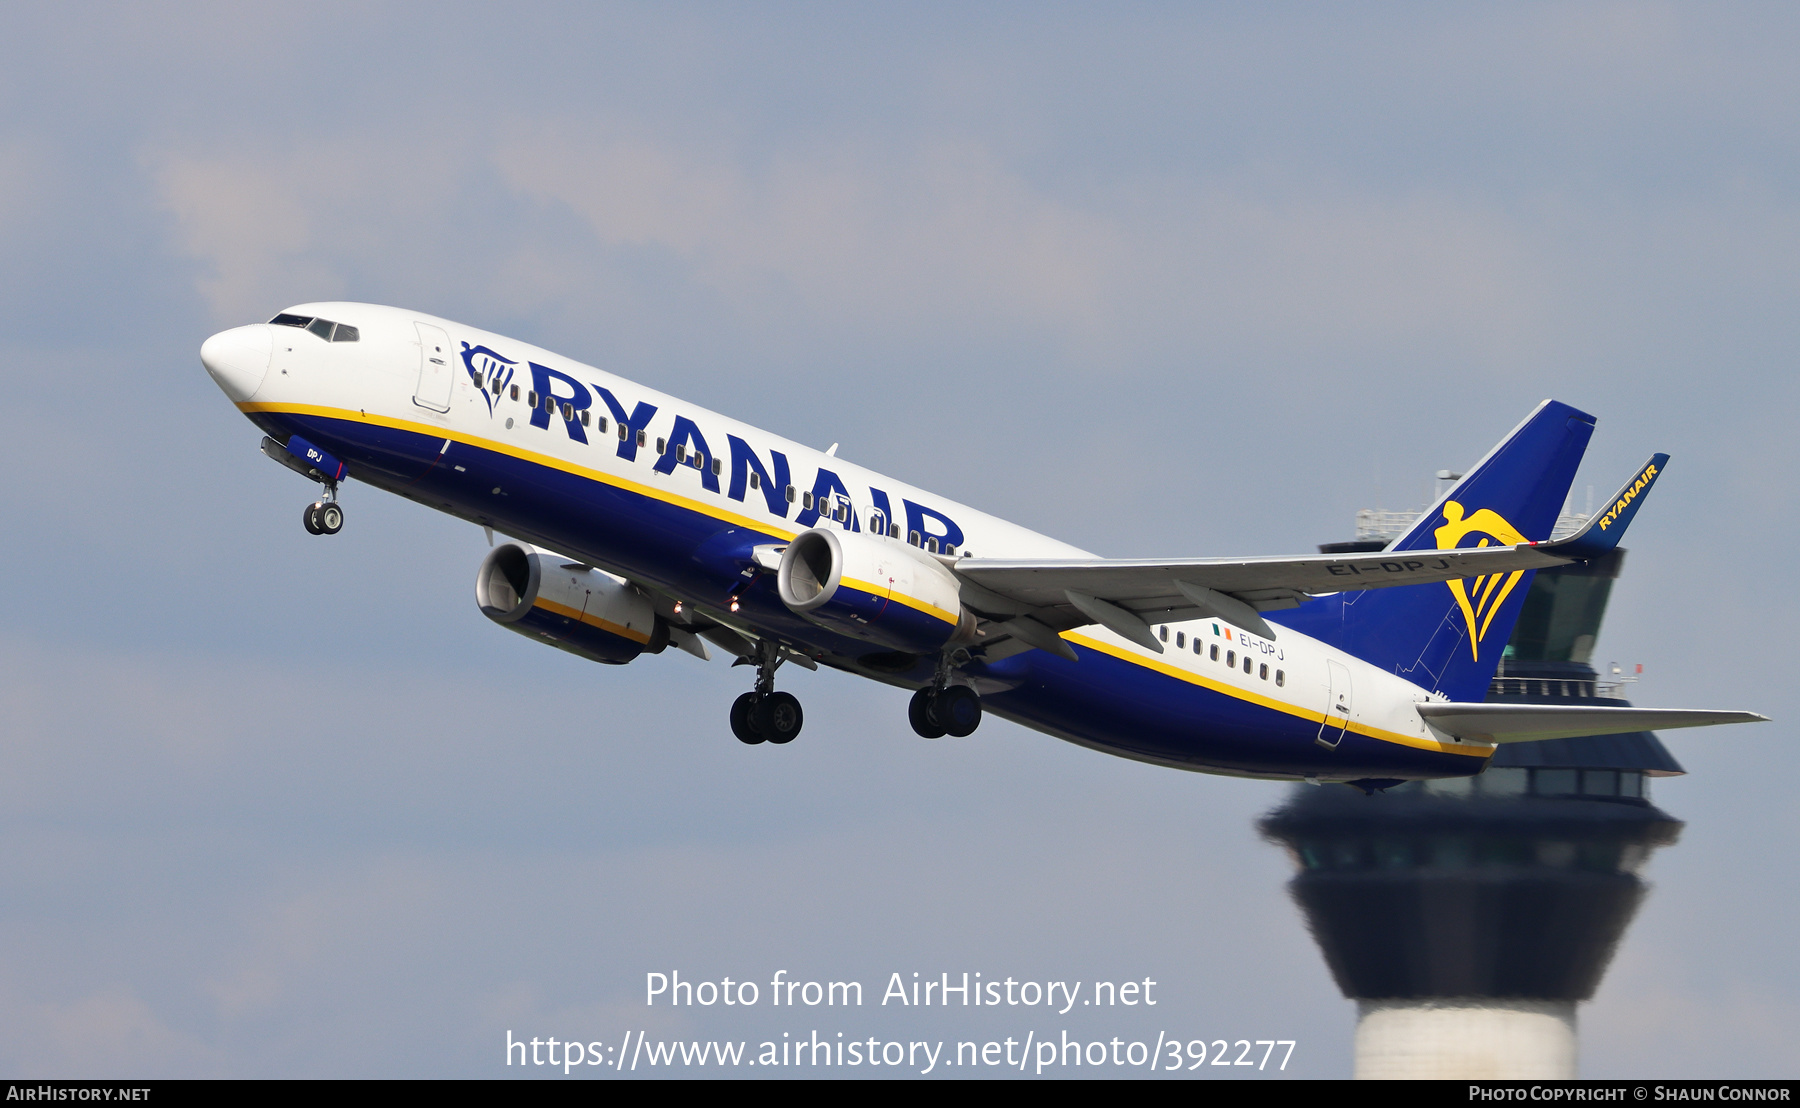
(649, 522)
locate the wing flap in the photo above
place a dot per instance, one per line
(1145, 585)
(1517, 723)
(1121, 593)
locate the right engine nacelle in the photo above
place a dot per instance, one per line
(878, 590)
(581, 610)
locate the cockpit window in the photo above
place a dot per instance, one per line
(324, 328)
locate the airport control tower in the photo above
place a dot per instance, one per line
(1468, 917)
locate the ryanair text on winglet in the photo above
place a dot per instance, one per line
(1638, 486)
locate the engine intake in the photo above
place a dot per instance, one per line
(876, 590)
(572, 607)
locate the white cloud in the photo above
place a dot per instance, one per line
(251, 229)
(111, 1033)
(948, 234)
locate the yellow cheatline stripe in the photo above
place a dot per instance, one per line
(551, 461)
(1268, 702)
(882, 593)
(591, 621)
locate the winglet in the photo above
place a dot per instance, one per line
(1604, 531)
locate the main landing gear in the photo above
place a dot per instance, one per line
(766, 715)
(941, 708)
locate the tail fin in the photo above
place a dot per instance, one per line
(1448, 637)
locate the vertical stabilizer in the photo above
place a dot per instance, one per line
(1448, 637)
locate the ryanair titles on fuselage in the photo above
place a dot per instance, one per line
(566, 399)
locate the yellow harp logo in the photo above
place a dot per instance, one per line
(1481, 597)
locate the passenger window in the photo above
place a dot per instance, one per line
(568, 413)
(584, 418)
(915, 538)
(755, 480)
(477, 380)
(681, 452)
(515, 392)
(806, 501)
(950, 550)
(531, 398)
(931, 545)
(1262, 671)
(791, 494)
(1215, 652)
(1197, 647)
(600, 425)
(347, 333)
(1163, 633)
(321, 328)
(643, 437)
(1180, 639)
(494, 383)
(877, 525)
(1230, 658)
(1246, 663)
(894, 531)
(662, 446)
(1280, 678)
(843, 512)
(718, 466)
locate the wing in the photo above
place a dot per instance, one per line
(1036, 599)
(1516, 723)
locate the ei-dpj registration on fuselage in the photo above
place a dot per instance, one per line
(648, 522)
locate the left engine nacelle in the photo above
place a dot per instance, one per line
(878, 590)
(581, 610)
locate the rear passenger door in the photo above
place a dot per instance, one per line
(1337, 706)
(435, 376)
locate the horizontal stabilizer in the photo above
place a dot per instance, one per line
(1521, 723)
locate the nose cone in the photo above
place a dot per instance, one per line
(238, 359)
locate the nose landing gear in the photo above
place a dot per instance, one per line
(323, 517)
(765, 715)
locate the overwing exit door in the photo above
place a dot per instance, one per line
(1337, 706)
(435, 376)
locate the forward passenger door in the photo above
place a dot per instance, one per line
(435, 369)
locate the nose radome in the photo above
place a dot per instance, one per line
(238, 359)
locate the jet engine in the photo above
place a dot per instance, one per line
(584, 611)
(878, 590)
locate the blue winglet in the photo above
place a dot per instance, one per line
(1604, 531)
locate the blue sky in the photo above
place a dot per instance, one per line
(1187, 280)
